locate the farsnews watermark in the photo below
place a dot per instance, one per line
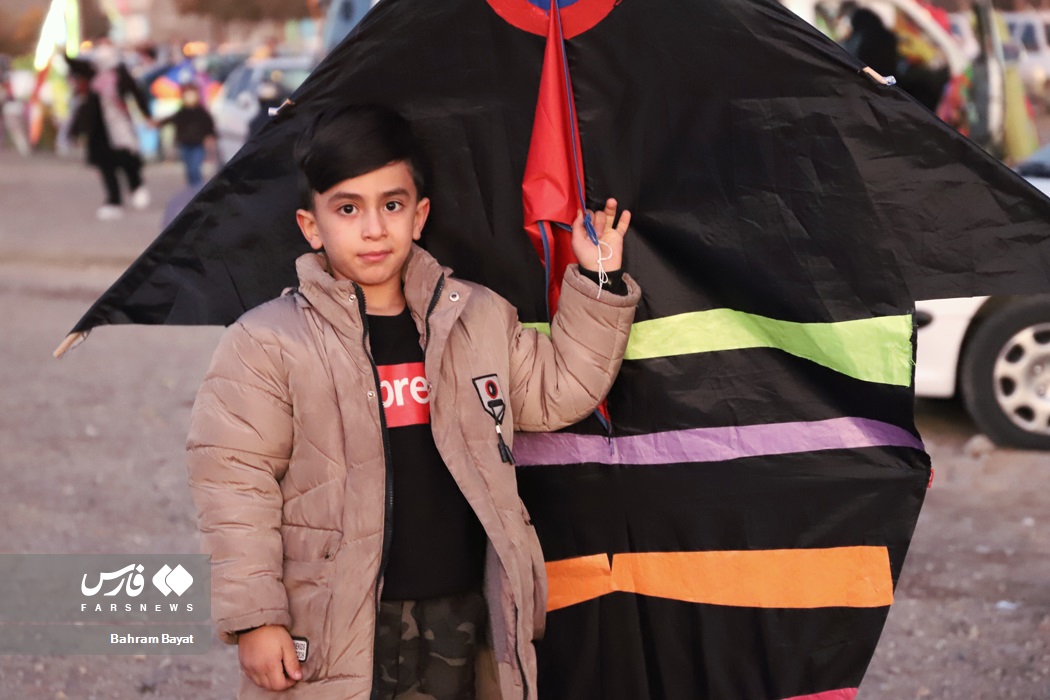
(105, 604)
(167, 580)
(165, 638)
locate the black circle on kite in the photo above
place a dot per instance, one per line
(577, 16)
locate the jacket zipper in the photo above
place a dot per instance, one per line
(388, 521)
(389, 485)
(430, 309)
(388, 509)
(517, 653)
(426, 344)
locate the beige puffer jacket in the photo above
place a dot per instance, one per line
(288, 470)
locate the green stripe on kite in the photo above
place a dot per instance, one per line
(871, 349)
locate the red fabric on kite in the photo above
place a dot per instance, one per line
(550, 190)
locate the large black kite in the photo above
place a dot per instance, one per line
(734, 526)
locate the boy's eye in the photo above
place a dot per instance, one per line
(393, 206)
(348, 209)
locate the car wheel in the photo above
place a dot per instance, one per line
(1005, 375)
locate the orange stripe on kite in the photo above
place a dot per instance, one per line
(852, 577)
(572, 581)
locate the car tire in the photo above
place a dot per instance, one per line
(1005, 374)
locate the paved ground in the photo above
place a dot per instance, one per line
(91, 461)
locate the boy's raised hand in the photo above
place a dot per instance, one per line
(266, 654)
(610, 238)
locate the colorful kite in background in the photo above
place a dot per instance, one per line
(738, 528)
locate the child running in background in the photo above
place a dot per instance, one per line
(194, 133)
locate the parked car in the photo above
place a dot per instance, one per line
(341, 17)
(237, 102)
(992, 352)
(1032, 31)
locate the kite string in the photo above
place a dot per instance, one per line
(604, 254)
(577, 170)
(603, 276)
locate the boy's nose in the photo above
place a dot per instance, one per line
(373, 225)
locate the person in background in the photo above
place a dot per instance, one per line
(271, 96)
(104, 120)
(146, 69)
(12, 118)
(194, 133)
(871, 42)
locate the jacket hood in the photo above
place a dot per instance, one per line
(336, 300)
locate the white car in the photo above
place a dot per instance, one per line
(237, 102)
(340, 18)
(1032, 31)
(993, 352)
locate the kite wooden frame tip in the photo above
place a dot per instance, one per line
(70, 341)
(877, 77)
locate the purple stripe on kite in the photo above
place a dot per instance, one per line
(840, 694)
(709, 444)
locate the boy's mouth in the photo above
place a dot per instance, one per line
(375, 257)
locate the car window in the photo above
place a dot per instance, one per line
(290, 78)
(237, 82)
(221, 67)
(343, 15)
(1027, 37)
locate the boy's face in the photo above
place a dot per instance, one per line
(366, 225)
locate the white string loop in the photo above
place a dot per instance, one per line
(603, 276)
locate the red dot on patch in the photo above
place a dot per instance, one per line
(491, 389)
(576, 18)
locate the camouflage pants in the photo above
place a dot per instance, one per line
(425, 649)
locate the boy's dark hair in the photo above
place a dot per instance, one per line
(352, 141)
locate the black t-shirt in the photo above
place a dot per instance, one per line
(438, 544)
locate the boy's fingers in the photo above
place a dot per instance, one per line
(275, 676)
(600, 220)
(291, 661)
(625, 221)
(259, 679)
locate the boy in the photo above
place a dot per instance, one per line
(194, 133)
(347, 457)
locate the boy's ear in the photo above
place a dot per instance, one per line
(308, 225)
(422, 212)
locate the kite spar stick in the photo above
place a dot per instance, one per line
(879, 78)
(71, 340)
